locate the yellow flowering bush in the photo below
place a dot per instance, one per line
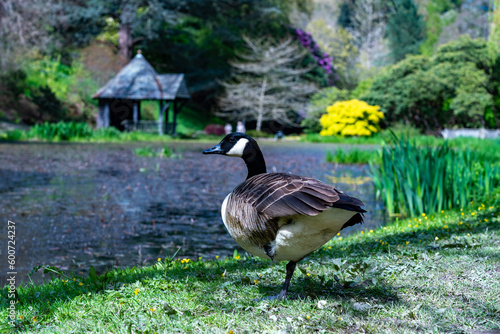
(351, 118)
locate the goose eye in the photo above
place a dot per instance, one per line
(232, 140)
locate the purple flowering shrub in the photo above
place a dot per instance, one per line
(322, 58)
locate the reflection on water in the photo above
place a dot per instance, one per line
(348, 179)
(355, 180)
(77, 205)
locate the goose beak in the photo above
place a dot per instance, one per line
(214, 150)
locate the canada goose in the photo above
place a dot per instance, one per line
(281, 216)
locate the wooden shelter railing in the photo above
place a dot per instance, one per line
(147, 126)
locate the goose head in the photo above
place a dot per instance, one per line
(235, 144)
(240, 145)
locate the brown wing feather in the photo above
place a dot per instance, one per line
(279, 194)
(310, 200)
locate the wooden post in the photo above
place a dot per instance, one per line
(106, 114)
(161, 127)
(135, 115)
(160, 118)
(100, 114)
(174, 122)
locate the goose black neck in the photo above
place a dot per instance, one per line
(255, 162)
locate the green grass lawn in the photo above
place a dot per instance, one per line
(487, 148)
(434, 273)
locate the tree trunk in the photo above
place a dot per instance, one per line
(125, 40)
(261, 104)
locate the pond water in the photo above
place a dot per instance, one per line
(77, 205)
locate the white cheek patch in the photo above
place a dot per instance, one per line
(238, 148)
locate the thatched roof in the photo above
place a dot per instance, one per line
(139, 81)
(177, 86)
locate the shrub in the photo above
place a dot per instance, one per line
(214, 129)
(62, 91)
(49, 107)
(318, 104)
(258, 134)
(317, 138)
(11, 135)
(351, 118)
(14, 105)
(322, 58)
(404, 130)
(457, 86)
(61, 131)
(107, 133)
(361, 88)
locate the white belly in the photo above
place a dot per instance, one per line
(308, 233)
(300, 238)
(223, 210)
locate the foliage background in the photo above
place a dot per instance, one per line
(56, 54)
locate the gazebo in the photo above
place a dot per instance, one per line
(120, 99)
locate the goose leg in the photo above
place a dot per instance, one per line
(290, 268)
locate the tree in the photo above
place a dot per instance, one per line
(23, 28)
(345, 12)
(405, 29)
(195, 37)
(458, 86)
(338, 43)
(438, 16)
(149, 20)
(494, 36)
(368, 30)
(208, 36)
(79, 22)
(267, 83)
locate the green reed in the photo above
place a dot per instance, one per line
(413, 180)
(164, 152)
(60, 131)
(353, 156)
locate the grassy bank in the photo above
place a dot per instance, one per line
(190, 125)
(435, 273)
(487, 150)
(486, 147)
(81, 132)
